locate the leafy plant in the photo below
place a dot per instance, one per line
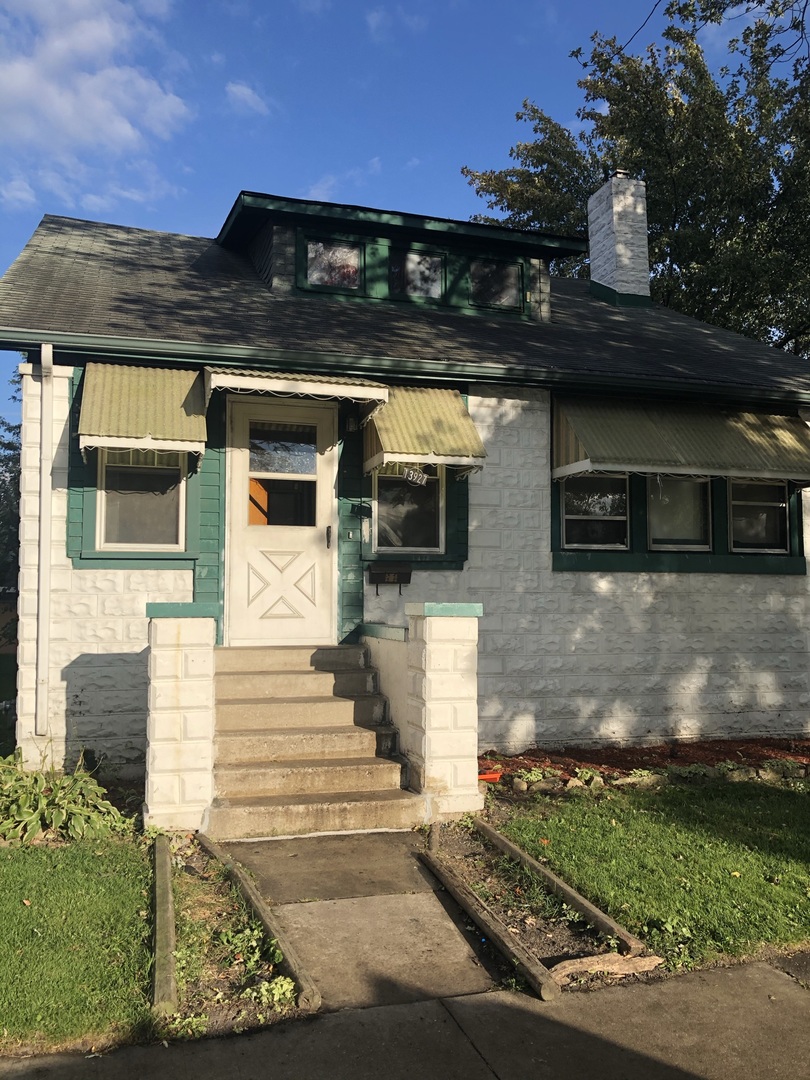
(278, 993)
(249, 947)
(539, 772)
(70, 805)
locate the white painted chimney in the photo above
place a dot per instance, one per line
(617, 234)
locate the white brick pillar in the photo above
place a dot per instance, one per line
(440, 733)
(180, 724)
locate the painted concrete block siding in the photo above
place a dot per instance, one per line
(97, 696)
(180, 730)
(595, 657)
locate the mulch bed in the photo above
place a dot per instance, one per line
(622, 760)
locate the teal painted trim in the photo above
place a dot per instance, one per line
(77, 348)
(446, 611)
(718, 561)
(349, 544)
(183, 611)
(132, 561)
(384, 632)
(617, 299)
(302, 211)
(677, 562)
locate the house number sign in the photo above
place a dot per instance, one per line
(415, 476)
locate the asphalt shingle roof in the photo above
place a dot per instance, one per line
(81, 277)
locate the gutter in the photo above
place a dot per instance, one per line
(44, 540)
(403, 369)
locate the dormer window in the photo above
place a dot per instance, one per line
(494, 283)
(333, 265)
(416, 273)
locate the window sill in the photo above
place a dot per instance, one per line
(677, 562)
(136, 560)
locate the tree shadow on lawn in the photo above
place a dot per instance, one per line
(771, 820)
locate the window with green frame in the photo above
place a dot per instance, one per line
(614, 522)
(352, 265)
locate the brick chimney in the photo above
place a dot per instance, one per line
(617, 234)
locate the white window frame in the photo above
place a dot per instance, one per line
(583, 517)
(732, 502)
(651, 545)
(441, 479)
(101, 506)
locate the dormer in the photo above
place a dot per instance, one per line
(357, 253)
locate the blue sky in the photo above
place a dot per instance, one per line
(156, 113)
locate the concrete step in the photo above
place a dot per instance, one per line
(293, 684)
(291, 744)
(291, 658)
(305, 776)
(283, 815)
(251, 714)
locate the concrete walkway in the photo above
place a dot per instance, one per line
(750, 1022)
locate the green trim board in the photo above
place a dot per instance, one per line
(617, 299)
(384, 632)
(446, 611)
(638, 559)
(183, 611)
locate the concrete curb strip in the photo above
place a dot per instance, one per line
(539, 977)
(164, 980)
(309, 998)
(629, 945)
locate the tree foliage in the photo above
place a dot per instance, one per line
(725, 158)
(9, 501)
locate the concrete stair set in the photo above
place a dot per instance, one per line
(302, 745)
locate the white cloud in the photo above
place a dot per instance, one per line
(17, 193)
(382, 23)
(314, 7)
(413, 163)
(415, 23)
(329, 184)
(378, 23)
(76, 97)
(243, 99)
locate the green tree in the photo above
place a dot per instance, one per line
(9, 499)
(725, 159)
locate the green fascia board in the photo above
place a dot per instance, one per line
(251, 207)
(401, 370)
(617, 299)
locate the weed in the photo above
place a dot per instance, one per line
(540, 772)
(278, 993)
(185, 1027)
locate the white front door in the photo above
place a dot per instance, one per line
(282, 523)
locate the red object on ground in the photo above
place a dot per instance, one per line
(491, 776)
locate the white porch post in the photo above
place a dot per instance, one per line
(440, 733)
(180, 724)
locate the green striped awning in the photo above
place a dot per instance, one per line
(594, 435)
(142, 408)
(422, 426)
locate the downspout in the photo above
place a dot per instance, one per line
(44, 544)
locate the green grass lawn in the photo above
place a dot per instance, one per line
(75, 932)
(697, 871)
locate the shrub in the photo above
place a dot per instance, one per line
(69, 805)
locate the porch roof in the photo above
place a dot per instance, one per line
(594, 435)
(422, 425)
(142, 408)
(282, 384)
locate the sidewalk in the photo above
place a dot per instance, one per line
(750, 1022)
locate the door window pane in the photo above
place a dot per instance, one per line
(408, 516)
(595, 512)
(283, 448)
(281, 502)
(758, 517)
(678, 513)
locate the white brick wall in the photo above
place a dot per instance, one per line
(588, 657)
(98, 653)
